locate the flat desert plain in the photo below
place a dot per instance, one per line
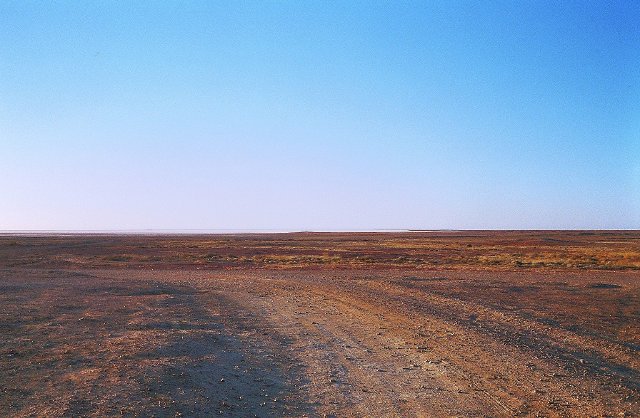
(469, 323)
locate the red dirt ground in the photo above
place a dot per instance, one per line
(391, 324)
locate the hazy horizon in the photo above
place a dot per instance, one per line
(319, 116)
(34, 232)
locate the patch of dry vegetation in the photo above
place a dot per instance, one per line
(609, 250)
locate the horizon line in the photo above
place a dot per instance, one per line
(240, 231)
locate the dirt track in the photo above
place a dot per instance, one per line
(164, 339)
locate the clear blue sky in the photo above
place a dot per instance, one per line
(319, 115)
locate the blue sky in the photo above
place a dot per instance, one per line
(319, 115)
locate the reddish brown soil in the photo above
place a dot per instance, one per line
(412, 324)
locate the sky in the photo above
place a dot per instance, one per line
(319, 115)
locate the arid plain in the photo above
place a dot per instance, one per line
(469, 323)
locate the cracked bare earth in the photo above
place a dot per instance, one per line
(342, 324)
